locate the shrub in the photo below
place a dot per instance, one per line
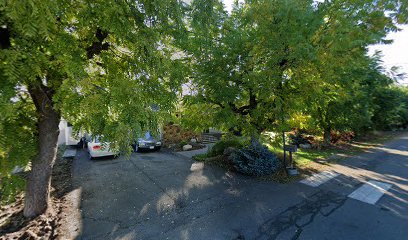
(200, 157)
(183, 142)
(298, 138)
(220, 146)
(255, 159)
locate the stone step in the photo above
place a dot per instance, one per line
(209, 141)
(209, 138)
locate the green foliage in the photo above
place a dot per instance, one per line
(340, 96)
(244, 73)
(255, 160)
(391, 108)
(298, 138)
(258, 69)
(18, 145)
(250, 158)
(106, 66)
(115, 69)
(200, 157)
(220, 146)
(196, 116)
(184, 142)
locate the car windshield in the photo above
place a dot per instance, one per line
(148, 135)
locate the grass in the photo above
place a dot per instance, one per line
(304, 156)
(309, 161)
(340, 151)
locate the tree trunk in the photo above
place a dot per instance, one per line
(39, 180)
(327, 137)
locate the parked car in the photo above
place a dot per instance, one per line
(148, 142)
(98, 149)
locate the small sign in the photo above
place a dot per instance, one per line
(290, 148)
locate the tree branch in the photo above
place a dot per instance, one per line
(98, 46)
(213, 101)
(5, 37)
(42, 98)
(245, 110)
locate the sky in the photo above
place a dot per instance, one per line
(395, 54)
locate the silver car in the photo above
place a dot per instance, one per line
(148, 142)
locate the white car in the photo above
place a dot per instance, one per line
(99, 149)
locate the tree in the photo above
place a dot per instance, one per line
(17, 144)
(106, 66)
(247, 68)
(341, 66)
(391, 108)
(270, 61)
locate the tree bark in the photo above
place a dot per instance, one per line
(327, 136)
(39, 180)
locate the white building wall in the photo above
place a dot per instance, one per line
(62, 134)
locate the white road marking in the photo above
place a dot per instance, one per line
(370, 192)
(320, 178)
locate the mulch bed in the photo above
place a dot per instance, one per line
(13, 225)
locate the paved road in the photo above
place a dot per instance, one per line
(165, 196)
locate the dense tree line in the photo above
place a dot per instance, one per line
(267, 66)
(278, 65)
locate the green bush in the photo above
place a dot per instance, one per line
(200, 157)
(255, 160)
(183, 142)
(220, 146)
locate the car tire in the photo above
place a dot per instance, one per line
(158, 149)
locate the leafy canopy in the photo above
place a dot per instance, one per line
(275, 65)
(105, 66)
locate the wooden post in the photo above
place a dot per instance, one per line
(284, 151)
(290, 159)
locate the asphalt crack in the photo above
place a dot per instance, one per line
(291, 222)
